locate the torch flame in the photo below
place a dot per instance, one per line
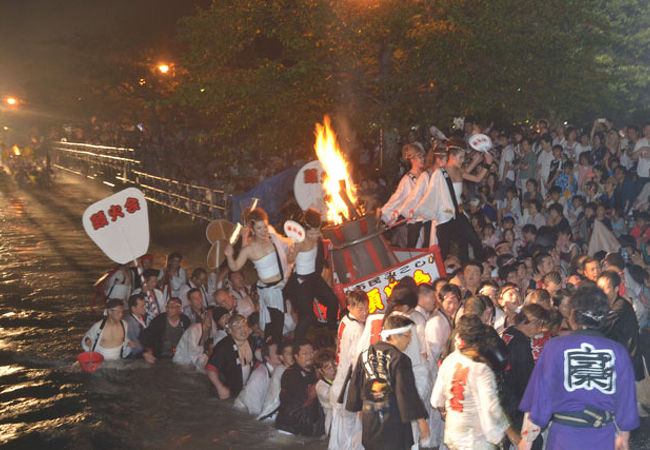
(335, 170)
(16, 150)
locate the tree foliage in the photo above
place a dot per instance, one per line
(266, 70)
(627, 57)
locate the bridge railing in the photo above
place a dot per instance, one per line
(120, 164)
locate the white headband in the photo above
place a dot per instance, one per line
(385, 333)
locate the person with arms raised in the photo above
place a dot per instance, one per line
(268, 252)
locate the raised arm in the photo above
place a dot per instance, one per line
(475, 178)
(593, 131)
(294, 249)
(476, 159)
(235, 264)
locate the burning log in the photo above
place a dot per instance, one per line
(353, 211)
(359, 247)
(336, 179)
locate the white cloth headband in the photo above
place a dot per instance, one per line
(385, 333)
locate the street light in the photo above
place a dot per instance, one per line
(163, 68)
(11, 101)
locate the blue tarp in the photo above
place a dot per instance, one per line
(272, 192)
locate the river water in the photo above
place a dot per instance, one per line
(47, 267)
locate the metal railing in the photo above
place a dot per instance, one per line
(117, 163)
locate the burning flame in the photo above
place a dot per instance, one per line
(335, 170)
(16, 150)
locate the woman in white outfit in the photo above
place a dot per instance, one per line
(268, 252)
(466, 393)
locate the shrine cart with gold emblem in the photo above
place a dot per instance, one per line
(361, 258)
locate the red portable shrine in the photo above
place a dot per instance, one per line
(360, 249)
(360, 257)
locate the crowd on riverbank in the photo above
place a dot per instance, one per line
(560, 216)
(180, 154)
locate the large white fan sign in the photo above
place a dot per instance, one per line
(480, 142)
(308, 187)
(294, 231)
(119, 225)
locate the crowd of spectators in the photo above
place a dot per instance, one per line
(562, 216)
(180, 154)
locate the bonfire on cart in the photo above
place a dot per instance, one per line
(360, 257)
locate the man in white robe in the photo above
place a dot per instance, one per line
(190, 349)
(272, 398)
(173, 276)
(436, 334)
(414, 224)
(119, 285)
(436, 204)
(252, 396)
(390, 210)
(345, 430)
(198, 280)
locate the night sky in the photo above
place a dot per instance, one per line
(44, 42)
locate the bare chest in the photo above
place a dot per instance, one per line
(112, 336)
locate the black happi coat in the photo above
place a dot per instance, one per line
(152, 336)
(298, 414)
(621, 326)
(225, 361)
(389, 429)
(520, 367)
(520, 360)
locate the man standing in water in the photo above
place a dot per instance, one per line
(195, 309)
(136, 320)
(161, 337)
(300, 411)
(272, 399)
(232, 359)
(109, 335)
(268, 252)
(251, 398)
(173, 276)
